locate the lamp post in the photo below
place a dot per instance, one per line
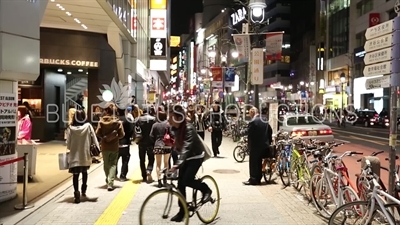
(257, 14)
(342, 82)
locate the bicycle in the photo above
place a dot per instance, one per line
(190, 208)
(374, 210)
(241, 150)
(329, 187)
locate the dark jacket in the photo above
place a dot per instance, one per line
(128, 129)
(157, 134)
(192, 145)
(216, 120)
(145, 122)
(105, 127)
(259, 134)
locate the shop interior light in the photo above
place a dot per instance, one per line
(53, 0)
(80, 70)
(68, 13)
(69, 73)
(78, 21)
(87, 72)
(60, 70)
(107, 95)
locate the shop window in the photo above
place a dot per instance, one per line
(360, 38)
(392, 14)
(364, 6)
(339, 33)
(358, 70)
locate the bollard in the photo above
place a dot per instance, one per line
(24, 204)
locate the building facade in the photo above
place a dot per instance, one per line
(365, 14)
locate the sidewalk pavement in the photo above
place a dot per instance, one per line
(47, 178)
(265, 204)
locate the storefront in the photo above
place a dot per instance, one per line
(334, 98)
(65, 64)
(370, 99)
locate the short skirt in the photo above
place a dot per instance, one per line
(162, 151)
(79, 169)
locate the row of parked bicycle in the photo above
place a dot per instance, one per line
(321, 175)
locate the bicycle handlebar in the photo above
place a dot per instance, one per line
(375, 154)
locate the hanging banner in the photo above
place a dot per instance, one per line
(243, 46)
(257, 66)
(273, 46)
(8, 124)
(273, 117)
(217, 77)
(230, 74)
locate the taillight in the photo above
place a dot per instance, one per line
(325, 132)
(376, 115)
(386, 120)
(299, 133)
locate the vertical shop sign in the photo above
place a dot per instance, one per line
(217, 77)
(158, 21)
(273, 118)
(257, 66)
(133, 19)
(230, 74)
(8, 124)
(273, 46)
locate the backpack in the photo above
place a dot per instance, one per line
(167, 139)
(138, 133)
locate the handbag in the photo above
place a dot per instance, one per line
(207, 150)
(94, 150)
(63, 159)
(167, 139)
(110, 137)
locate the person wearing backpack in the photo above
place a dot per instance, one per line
(163, 141)
(110, 130)
(142, 138)
(124, 144)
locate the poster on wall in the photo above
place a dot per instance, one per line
(273, 117)
(8, 124)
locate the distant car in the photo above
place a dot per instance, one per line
(307, 127)
(365, 117)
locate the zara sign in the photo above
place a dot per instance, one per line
(239, 16)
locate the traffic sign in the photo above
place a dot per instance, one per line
(381, 42)
(381, 29)
(381, 68)
(378, 82)
(382, 55)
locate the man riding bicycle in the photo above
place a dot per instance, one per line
(191, 155)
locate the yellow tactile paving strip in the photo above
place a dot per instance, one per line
(113, 213)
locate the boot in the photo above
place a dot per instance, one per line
(160, 185)
(83, 189)
(77, 197)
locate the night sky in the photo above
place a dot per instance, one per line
(181, 12)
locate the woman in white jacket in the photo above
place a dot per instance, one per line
(81, 136)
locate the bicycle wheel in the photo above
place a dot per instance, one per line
(351, 213)
(305, 181)
(270, 170)
(214, 203)
(239, 154)
(284, 170)
(322, 198)
(153, 211)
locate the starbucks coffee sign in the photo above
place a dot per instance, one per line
(69, 62)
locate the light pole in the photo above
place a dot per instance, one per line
(342, 82)
(257, 9)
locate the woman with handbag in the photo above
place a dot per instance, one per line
(163, 140)
(110, 130)
(80, 138)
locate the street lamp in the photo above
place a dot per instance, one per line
(301, 83)
(257, 14)
(342, 81)
(212, 54)
(235, 54)
(257, 10)
(203, 71)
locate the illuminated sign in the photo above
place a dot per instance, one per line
(158, 4)
(133, 19)
(68, 62)
(158, 19)
(239, 16)
(158, 46)
(175, 41)
(175, 59)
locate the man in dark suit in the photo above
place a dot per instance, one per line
(259, 139)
